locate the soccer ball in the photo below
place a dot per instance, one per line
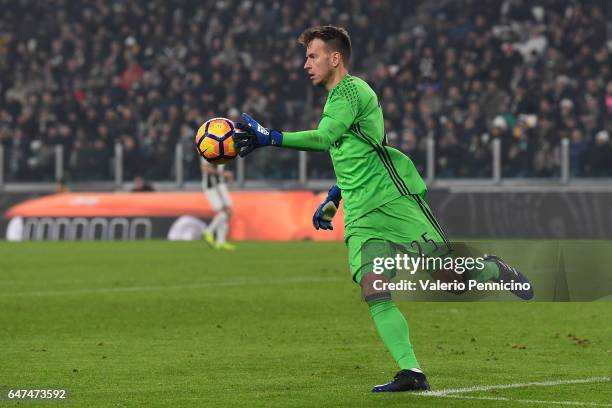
(214, 141)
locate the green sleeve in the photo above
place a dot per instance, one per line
(338, 116)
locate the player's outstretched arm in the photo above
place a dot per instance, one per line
(324, 214)
(252, 135)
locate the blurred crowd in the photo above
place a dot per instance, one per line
(147, 73)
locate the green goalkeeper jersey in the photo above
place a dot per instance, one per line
(369, 172)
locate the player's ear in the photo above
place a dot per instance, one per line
(336, 59)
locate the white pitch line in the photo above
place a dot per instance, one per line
(173, 287)
(442, 393)
(526, 401)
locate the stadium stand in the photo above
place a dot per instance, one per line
(85, 75)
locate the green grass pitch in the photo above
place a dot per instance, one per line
(148, 324)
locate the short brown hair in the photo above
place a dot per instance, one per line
(337, 38)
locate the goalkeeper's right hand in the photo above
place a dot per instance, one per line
(325, 212)
(252, 135)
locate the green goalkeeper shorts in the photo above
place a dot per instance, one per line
(406, 221)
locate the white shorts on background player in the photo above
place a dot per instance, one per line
(215, 188)
(218, 197)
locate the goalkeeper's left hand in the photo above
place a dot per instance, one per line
(254, 135)
(325, 212)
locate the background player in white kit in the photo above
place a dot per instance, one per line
(214, 183)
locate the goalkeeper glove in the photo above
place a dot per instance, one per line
(325, 212)
(254, 135)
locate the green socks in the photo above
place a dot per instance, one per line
(393, 329)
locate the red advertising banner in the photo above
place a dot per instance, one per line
(273, 215)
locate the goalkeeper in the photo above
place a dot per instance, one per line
(384, 196)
